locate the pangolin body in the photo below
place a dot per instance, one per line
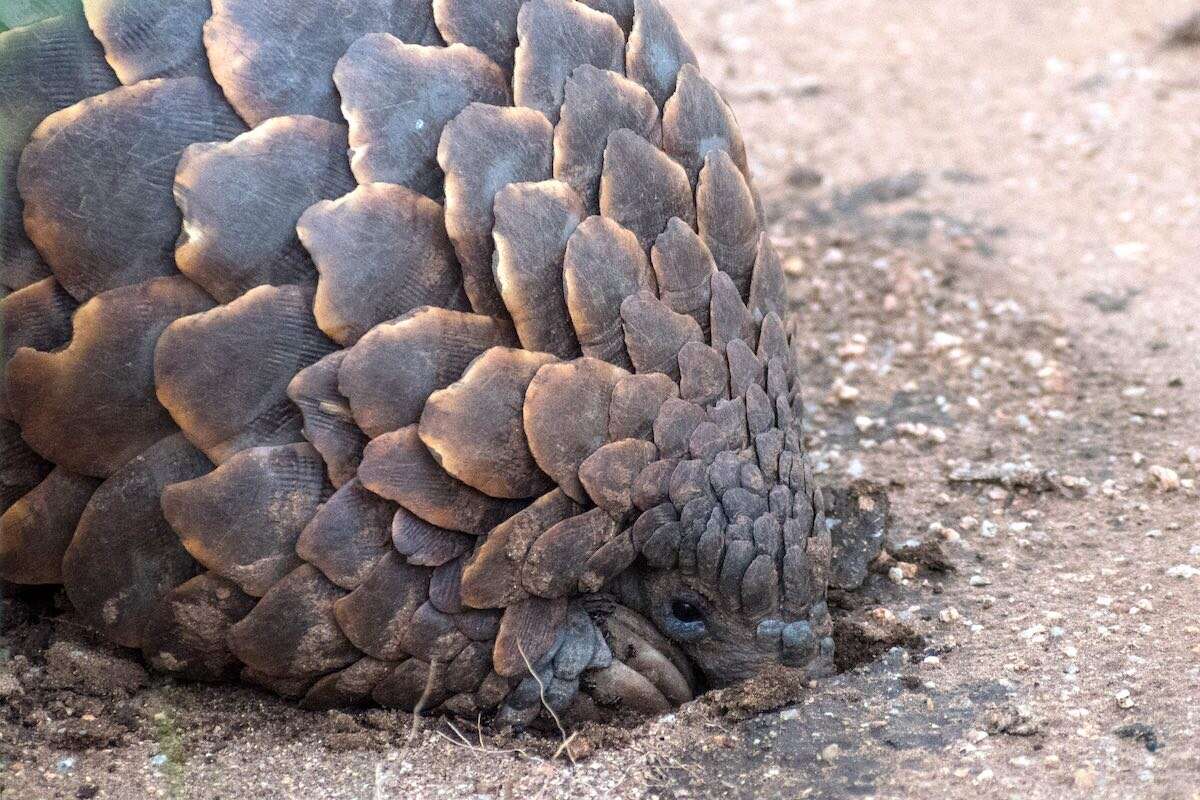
(430, 354)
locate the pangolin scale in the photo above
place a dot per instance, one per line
(427, 354)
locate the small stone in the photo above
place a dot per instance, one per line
(943, 341)
(1125, 699)
(1085, 779)
(9, 685)
(830, 753)
(844, 392)
(1166, 478)
(949, 615)
(980, 580)
(789, 714)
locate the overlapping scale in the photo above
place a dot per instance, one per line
(581, 391)
(475, 428)
(37, 529)
(768, 286)
(377, 614)
(657, 51)
(151, 38)
(683, 268)
(597, 103)
(636, 401)
(241, 200)
(348, 535)
(492, 576)
(21, 469)
(426, 545)
(534, 222)
(398, 97)
(274, 60)
(243, 519)
(381, 252)
(654, 334)
(620, 10)
(729, 319)
(390, 372)
(487, 25)
(347, 687)
(556, 37)
(697, 121)
(557, 560)
(97, 179)
(45, 66)
(292, 632)
(642, 189)
(125, 557)
(603, 265)
(528, 630)
(727, 218)
(91, 406)
(224, 374)
(37, 316)
(328, 422)
(398, 466)
(483, 150)
(186, 634)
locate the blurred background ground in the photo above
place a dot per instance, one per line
(989, 212)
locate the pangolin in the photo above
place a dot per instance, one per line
(430, 354)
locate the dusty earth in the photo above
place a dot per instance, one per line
(990, 215)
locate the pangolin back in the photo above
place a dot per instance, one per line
(360, 347)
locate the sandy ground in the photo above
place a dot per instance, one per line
(989, 211)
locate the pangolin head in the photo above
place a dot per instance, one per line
(734, 565)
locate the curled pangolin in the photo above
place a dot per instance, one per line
(430, 354)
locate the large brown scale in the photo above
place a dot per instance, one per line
(425, 354)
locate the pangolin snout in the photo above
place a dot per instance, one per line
(798, 641)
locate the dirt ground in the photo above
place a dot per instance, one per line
(990, 215)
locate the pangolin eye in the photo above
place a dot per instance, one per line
(686, 612)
